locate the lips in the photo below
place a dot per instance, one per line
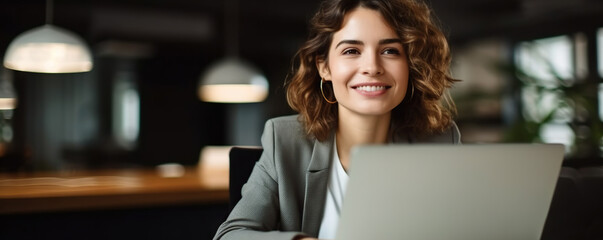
(371, 89)
(374, 86)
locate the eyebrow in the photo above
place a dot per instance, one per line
(381, 42)
(390, 40)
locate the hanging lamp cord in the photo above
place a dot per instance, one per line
(49, 7)
(231, 27)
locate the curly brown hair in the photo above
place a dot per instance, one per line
(422, 112)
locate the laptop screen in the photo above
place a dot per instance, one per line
(490, 191)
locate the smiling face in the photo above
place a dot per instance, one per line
(366, 64)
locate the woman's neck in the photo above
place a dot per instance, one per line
(355, 130)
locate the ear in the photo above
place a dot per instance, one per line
(323, 69)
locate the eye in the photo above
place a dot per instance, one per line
(350, 51)
(391, 51)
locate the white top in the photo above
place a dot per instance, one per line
(338, 180)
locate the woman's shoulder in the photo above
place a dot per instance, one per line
(288, 120)
(285, 125)
(285, 139)
(286, 128)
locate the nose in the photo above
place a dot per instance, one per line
(371, 65)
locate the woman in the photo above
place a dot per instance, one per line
(371, 72)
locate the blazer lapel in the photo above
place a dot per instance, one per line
(317, 177)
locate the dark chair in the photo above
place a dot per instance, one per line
(242, 161)
(593, 182)
(567, 217)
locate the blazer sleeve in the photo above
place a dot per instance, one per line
(256, 215)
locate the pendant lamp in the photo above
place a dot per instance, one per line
(232, 80)
(48, 49)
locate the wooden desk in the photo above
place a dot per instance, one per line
(85, 190)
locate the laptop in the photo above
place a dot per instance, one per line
(490, 191)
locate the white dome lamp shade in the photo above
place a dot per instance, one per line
(232, 80)
(48, 49)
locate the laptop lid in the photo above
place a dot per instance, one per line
(492, 191)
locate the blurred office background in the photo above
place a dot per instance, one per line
(531, 72)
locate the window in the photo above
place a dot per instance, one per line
(126, 110)
(545, 67)
(547, 59)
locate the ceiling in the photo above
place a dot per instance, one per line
(468, 19)
(278, 25)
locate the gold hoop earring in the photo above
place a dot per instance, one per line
(412, 90)
(323, 94)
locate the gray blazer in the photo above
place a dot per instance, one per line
(286, 191)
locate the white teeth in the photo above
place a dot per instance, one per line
(371, 88)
